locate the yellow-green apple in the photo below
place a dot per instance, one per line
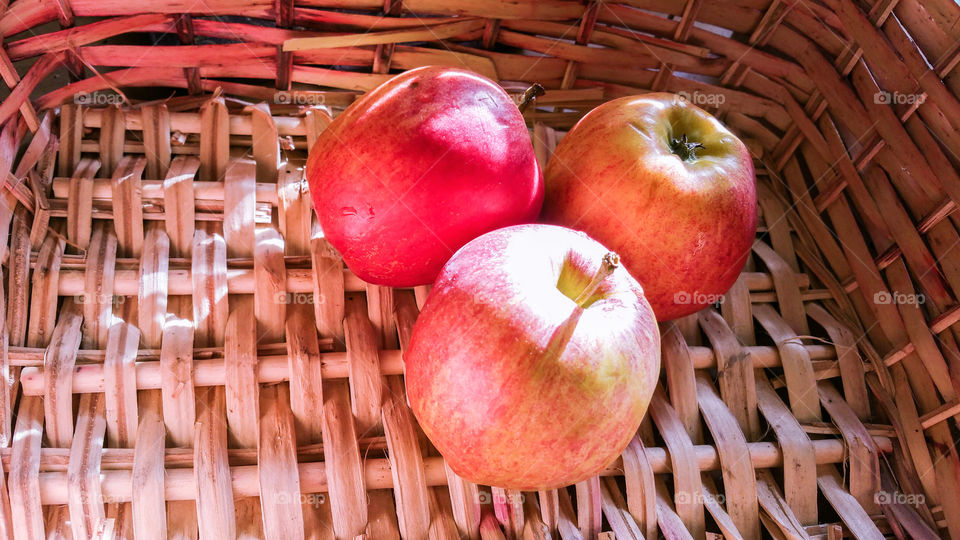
(416, 168)
(668, 187)
(533, 360)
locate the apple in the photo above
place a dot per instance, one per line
(668, 187)
(418, 167)
(533, 360)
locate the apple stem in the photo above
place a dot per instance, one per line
(530, 95)
(610, 263)
(686, 150)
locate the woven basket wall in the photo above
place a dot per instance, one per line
(188, 357)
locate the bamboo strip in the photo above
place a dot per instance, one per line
(852, 514)
(380, 311)
(214, 140)
(20, 94)
(736, 310)
(736, 373)
(120, 384)
(465, 502)
(277, 467)
(41, 213)
(778, 513)
(366, 384)
(24, 471)
(243, 281)
(676, 362)
(851, 365)
(490, 527)
(800, 486)
(190, 122)
(740, 491)
(41, 153)
(343, 472)
(128, 204)
(18, 279)
(80, 202)
(176, 381)
(71, 134)
(97, 297)
(10, 76)
(152, 294)
(7, 401)
(83, 487)
(614, 509)
(589, 508)
(242, 392)
(566, 522)
(266, 147)
(156, 139)
(149, 511)
(112, 134)
(797, 368)
(667, 519)
(864, 468)
(443, 526)
(211, 484)
(683, 457)
(409, 482)
(209, 286)
(639, 488)
(294, 209)
(117, 486)
(56, 385)
(270, 296)
(435, 32)
(508, 510)
(274, 368)
(239, 207)
(240, 376)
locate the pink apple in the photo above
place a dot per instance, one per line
(418, 167)
(533, 360)
(668, 187)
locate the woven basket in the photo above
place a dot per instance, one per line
(188, 356)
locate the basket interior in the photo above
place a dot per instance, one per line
(188, 356)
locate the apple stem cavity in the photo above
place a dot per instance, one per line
(686, 150)
(530, 95)
(609, 263)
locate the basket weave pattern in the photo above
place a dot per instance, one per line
(188, 356)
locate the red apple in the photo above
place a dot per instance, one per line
(418, 167)
(533, 360)
(668, 187)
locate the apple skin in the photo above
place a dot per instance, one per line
(418, 167)
(515, 384)
(683, 229)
